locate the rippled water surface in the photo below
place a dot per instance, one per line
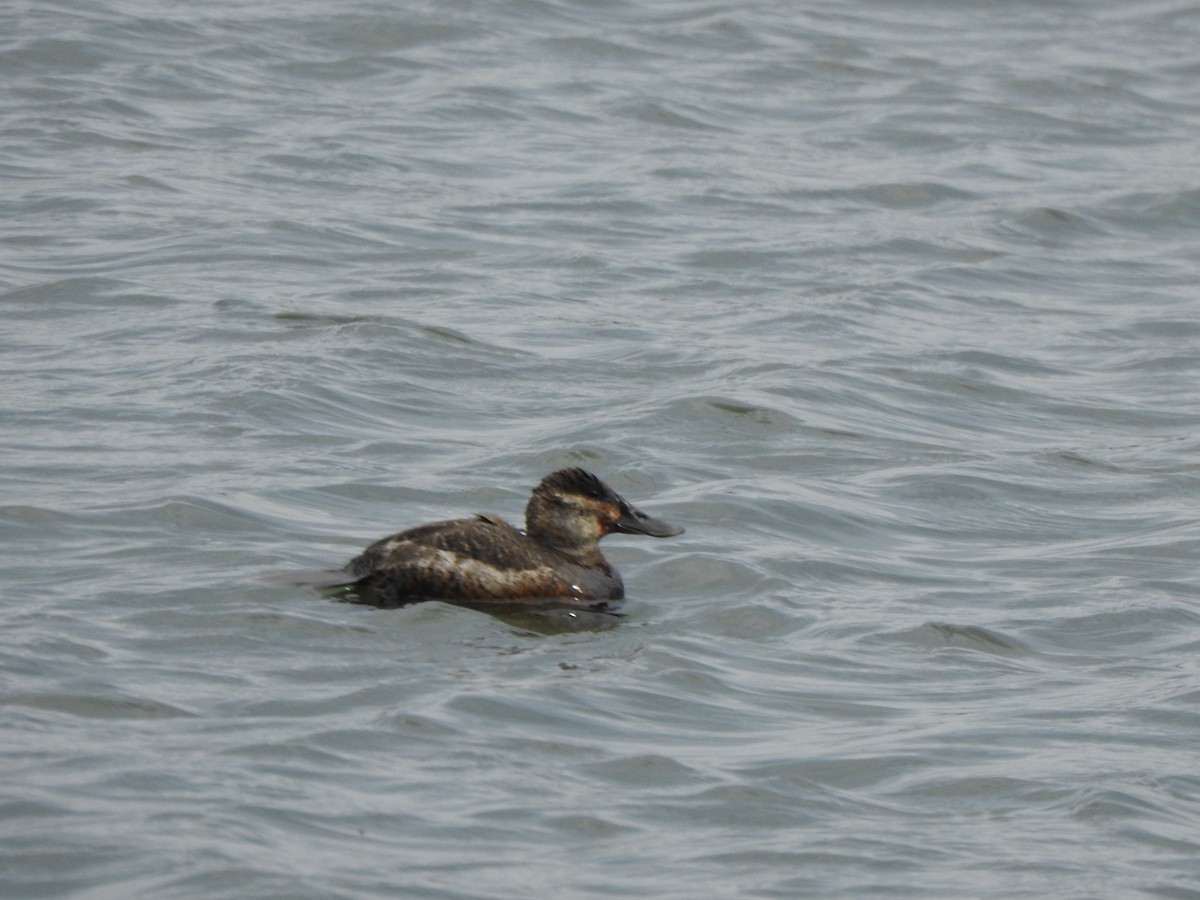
(894, 307)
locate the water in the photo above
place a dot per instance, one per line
(892, 306)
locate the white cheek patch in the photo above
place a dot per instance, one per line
(587, 523)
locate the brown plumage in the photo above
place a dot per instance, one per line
(485, 560)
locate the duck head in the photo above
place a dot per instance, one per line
(571, 509)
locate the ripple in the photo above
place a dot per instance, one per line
(934, 635)
(893, 308)
(97, 706)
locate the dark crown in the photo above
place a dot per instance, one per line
(576, 481)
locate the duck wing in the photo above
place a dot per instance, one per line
(483, 558)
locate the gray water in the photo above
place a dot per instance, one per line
(893, 306)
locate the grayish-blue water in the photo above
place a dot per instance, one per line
(895, 307)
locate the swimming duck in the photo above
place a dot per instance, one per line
(484, 560)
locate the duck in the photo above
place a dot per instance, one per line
(484, 561)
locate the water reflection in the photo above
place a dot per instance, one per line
(546, 616)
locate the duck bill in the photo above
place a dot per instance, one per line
(634, 521)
